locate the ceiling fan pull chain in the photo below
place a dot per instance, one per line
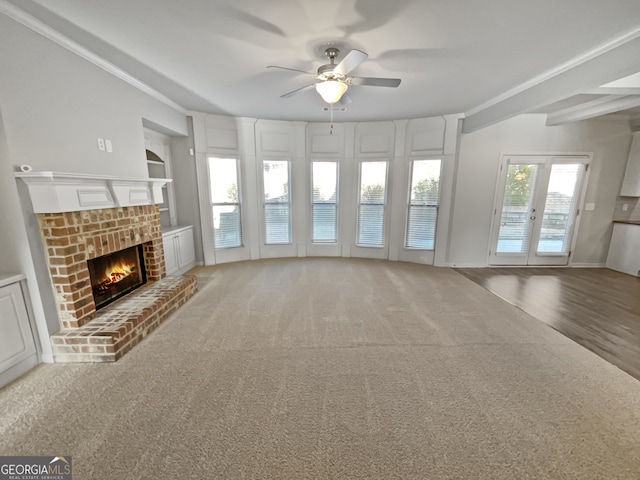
(331, 124)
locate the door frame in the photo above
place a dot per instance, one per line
(580, 157)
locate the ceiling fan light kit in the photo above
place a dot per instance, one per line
(331, 91)
(334, 80)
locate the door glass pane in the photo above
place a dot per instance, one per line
(324, 208)
(372, 204)
(423, 204)
(225, 198)
(558, 209)
(514, 233)
(277, 217)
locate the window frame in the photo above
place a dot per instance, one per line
(212, 204)
(335, 203)
(287, 203)
(410, 204)
(384, 204)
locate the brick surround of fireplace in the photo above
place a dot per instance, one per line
(72, 238)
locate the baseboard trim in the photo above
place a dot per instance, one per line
(466, 265)
(47, 358)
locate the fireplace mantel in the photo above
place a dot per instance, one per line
(54, 192)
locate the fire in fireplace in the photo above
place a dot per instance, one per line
(116, 274)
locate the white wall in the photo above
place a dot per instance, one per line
(54, 106)
(479, 156)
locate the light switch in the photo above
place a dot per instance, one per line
(590, 206)
(101, 144)
(625, 207)
(109, 146)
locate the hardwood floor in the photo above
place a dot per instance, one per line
(597, 308)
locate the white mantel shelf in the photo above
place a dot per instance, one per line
(54, 192)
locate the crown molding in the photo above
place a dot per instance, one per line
(563, 67)
(55, 36)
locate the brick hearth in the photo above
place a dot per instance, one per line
(122, 325)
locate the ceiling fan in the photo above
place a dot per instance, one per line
(335, 79)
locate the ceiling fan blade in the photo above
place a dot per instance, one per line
(291, 69)
(345, 99)
(298, 90)
(350, 61)
(374, 82)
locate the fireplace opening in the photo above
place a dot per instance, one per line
(116, 274)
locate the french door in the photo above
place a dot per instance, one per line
(536, 209)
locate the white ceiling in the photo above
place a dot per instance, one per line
(487, 59)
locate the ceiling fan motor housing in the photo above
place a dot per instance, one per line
(326, 72)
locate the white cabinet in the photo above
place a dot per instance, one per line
(17, 346)
(631, 182)
(179, 249)
(624, 249)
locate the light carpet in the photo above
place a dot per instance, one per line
(335, 369)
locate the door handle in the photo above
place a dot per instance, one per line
(532, 218)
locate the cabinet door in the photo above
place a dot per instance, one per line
(631, 182)
(170, 253)
(624, 249)
(186, 248)
(16, 339)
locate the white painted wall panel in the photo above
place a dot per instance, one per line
(426, 136)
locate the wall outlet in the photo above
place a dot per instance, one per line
(625, 207)
(108, 145)
(101, 146)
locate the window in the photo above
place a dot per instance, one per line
(225, 202)
(423, 204)
(324, 202)
(372, 200)
(277, 202)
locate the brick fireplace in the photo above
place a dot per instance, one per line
(82, 218)
(72, 238)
